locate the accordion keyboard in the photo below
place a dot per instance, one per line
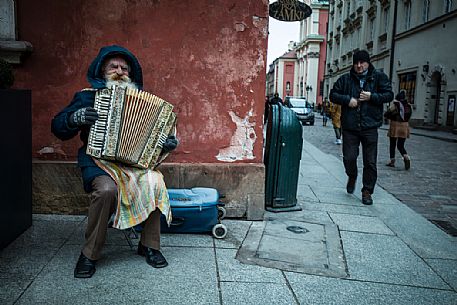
(132, 127)
(97, 135)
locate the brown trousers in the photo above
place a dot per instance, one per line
(103, 199)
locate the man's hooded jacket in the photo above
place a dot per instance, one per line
(368, 114)
(85, 98)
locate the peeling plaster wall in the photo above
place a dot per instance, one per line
(206, 57)
(242, 142)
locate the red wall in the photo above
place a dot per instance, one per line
(206, 57)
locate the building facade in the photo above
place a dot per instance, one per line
(424, 62)
(410, 40)
(282, 75)
(300, 71)
(311, 52)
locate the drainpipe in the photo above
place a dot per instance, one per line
(392, 44)
(392, 47)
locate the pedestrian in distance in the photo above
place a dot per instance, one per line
(276, 99)
(361, 93)
(335, 112)
(399, 113)
(266, 110)
(114, 65)
(325, 112)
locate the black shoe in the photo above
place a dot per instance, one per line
(407, 161)
(85, 267)
(350, 186)
(153, 257)
(366, 198)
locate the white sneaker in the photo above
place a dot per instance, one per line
(338, 142)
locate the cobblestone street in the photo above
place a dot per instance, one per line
(429, 187)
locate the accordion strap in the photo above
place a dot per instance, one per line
(88, 89)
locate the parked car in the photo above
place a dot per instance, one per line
(302, 108)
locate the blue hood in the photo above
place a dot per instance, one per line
(95, 74)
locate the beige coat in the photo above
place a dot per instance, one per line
(397, 129)
(336, 115)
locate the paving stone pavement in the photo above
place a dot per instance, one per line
(429, 187)
(389, 254)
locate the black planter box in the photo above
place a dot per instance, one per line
(15, 164)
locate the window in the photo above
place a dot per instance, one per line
(386, 19)
(407, 15)
(407, 81)
(348, 9)
(426, 11)
(447, 6)
(371, 30)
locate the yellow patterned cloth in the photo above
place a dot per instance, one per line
(140, 191)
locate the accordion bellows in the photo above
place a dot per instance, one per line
(132, 126)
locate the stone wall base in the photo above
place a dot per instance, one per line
(57, 186)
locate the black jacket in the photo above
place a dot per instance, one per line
(85, 98)
(368, 114)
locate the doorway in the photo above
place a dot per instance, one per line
(435, 96)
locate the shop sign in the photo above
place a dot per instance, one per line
(289, 10)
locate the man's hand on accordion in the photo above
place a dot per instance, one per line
(170, 143)
(83, 116)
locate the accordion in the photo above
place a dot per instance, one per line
(131, 128)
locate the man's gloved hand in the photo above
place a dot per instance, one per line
(170, 143)
(83, 116)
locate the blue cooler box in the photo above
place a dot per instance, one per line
(194, 211)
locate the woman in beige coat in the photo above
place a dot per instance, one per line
(336, 122)
(399, 113)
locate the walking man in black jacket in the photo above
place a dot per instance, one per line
(361, 94)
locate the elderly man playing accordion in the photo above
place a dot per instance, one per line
(111, 187)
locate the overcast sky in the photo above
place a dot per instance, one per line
(280, 33)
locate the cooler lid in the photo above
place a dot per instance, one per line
(197, 196)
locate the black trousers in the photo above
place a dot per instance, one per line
(351, 142)
(400, 143)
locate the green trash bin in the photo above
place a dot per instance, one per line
(284, 142)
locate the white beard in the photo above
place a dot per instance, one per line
(121, 83)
